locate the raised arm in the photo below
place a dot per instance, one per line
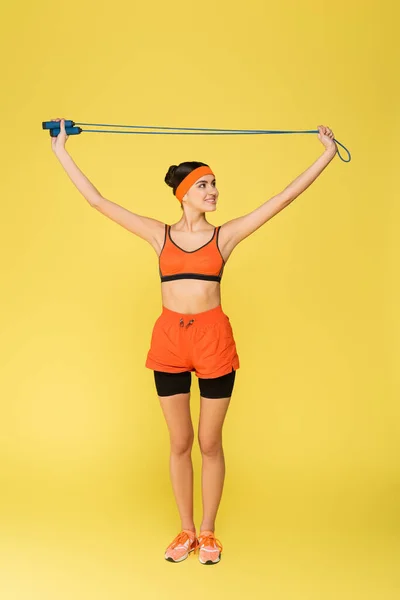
(145, 227)
(238, 229)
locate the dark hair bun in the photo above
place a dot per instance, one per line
(169, 178)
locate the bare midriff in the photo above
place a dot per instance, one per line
(190, 296)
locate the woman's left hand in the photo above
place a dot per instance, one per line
(326, 136)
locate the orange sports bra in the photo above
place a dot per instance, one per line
(204, 263)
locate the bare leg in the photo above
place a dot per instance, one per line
(176, 410)
(212, 415)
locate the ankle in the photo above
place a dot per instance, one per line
(206, 527)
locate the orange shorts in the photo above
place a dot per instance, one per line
(202, 343)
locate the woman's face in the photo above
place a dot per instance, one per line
(203, 194)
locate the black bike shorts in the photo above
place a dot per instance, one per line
(168, 384)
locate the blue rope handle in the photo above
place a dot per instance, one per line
(198, 131)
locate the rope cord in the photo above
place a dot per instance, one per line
(188, 131)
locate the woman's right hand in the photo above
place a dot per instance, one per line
(58, 142)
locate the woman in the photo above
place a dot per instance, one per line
(193, 333)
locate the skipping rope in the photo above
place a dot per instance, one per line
(71, 129)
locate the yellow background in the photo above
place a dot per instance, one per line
(310, 507)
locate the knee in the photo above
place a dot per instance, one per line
(209, 446)
(182, 444)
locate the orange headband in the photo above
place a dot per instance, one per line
(190, 180)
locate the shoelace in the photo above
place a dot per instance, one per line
(209, 540)
(181, 538)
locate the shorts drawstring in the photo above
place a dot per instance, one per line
(182, 323)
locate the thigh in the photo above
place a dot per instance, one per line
(211, 420)
(218, 387)
(169, 384)
(176, 407)
(213, 353)
(167, 351)
(215, 396)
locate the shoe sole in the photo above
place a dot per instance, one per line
(210, 562)
(184, 557)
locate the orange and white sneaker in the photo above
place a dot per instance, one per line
(209, 548)
(180, 547)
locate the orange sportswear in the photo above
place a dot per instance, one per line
(204, 263)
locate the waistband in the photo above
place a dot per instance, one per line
(202, 318)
